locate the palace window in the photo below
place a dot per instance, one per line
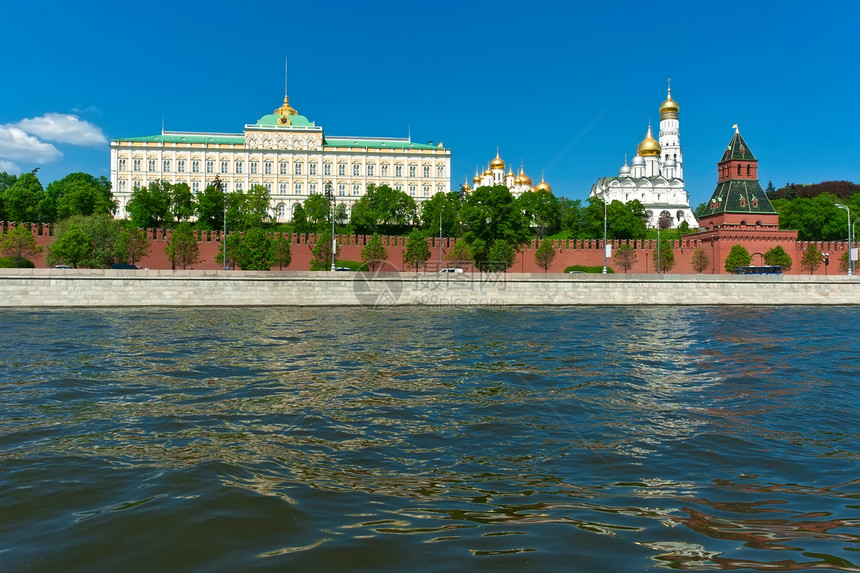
(312, 168)
(356, 189)
(151, 165)
(412, 190)
(312, 188)
(180, 165)
(282, 210)
(439, 189)
(225, 166)
(398, 187)
(239, 167)
(426, 171)
(326, 168)
(297, 169)
(122, 164)
(341, 168)
(398, 171)
(253, 168)
(370, 169)
(195, 186)
(268, 186)
(210, 166)
(165, 165)
(384, 170)
(135, 164)
(440, 171)
(195, 166)
(426, 190)
(239, 186)
(122, 185)
(341, 189)
(135, 184)
(282, 168)
(413, 170)
(267, 168)
(298, 188)
(283, 188)
(356, 169)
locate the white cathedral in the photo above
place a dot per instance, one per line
(655, 176)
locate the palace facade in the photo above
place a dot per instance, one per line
(655, 176)
(286, 153)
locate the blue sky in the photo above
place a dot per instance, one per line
(564, 88)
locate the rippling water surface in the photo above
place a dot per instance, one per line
(564, 439)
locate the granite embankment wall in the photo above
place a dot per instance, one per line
(568, 252)
(120, 288)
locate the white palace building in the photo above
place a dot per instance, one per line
(655, 176)
(289, 155)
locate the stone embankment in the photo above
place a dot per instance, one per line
(130, 288)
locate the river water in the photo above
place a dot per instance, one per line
(482, 439)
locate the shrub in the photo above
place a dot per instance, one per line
(16, 263)
(585, 269)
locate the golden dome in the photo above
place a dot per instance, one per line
(649, 145)
(488, 172)
(497, 163)
(476, 179)
(669, 108)
(518, 181)
(510, 172)
(524, 179)
(543, 186)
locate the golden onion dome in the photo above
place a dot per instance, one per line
(476, 179)
(466, 187)
(524, 179)
(543, 186)
(669, 108)
(488, 172)
(497, 163)
(510, 172)
(649, 145)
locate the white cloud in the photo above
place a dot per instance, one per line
(16, 144)
(9, 167)
(64, 128)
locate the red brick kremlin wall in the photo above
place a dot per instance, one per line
(568, 252)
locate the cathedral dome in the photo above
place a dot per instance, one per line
(669, 108)
(497, 163)
(543, 186)
(670, 163)
(476, 179)
(524, 179)
(649, 145)
(624, 171)
(488, 172)
(637, 161)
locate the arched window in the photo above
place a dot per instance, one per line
(356, 189)
(749, 169)
(370, 169)
(239, 165)
(739, 168)
(341, 189)
(341, 169)
(413, 170)
(426, 190)
(298, 188)
(297, 168)
(267, 168)
(426, 171)
(282, 210)
(384, 169)
(326, 168)
(282, 168)
(312, 168)
(283, 188)
(398, 171)
(440, 171)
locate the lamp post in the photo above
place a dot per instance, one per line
(658, 248)
(603, 196)
(850, 262)
(826, 258)
(330, 196)
(441, 210)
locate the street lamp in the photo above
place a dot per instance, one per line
(441, 210)
(850, 262)
(330, 196)
(603, 196)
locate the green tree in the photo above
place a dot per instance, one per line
(778, 257)
(374, 253)
(700, 210)
(149, 207)
(6, 181)
(321, 254)
(257, 204)
(182, 204)
(233, 241)
(446, 205)
(21, 201)
(281, 251)
(77, 194)
(812, 258)
(183, 248)
(667, 256)
(132, 244)
(300, 220)
(545, 254)
(572, 217)
(491, 214)
(460, 254)
(738, 257)
(417, 250)
(815, 219)
(542, 212)
(625, 257)
(844, 265)
(700, 260)
(210, 206)
(317, 212)
(255, 249)
(501, 256)
(102, 230)
(383, 210)
(19, 243)
(70, 248)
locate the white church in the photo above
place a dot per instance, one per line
(655, 176)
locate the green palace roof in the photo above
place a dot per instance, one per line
(273, 120)
(737, 149)
(238, 139)
(337, 141)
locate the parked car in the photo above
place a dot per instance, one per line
(124, 266)
(451, 270)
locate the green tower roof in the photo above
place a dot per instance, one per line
(739, 196)
(738, 149)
